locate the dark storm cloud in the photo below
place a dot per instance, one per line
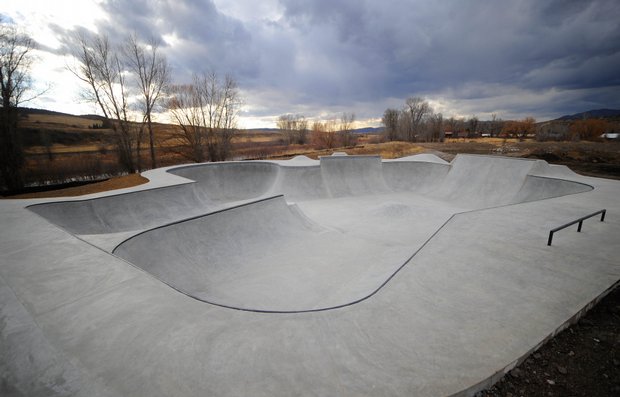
(480, 56)
(431, 46)
(204, 38)
(422, 48)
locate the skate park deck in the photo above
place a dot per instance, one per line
(350, 275)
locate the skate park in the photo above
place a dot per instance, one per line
(348, 275)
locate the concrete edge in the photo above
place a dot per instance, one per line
(196, 217)
(315, 310)
(498, 375)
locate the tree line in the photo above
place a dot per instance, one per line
(417, 121)
(205, 110)
(128, 82)
(131, 81)
(321, 134)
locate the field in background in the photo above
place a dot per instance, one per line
(61, 148)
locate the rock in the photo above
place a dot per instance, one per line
(562, 370)
(537, 356)
(515, 372)
(551, 382)
(571, 353)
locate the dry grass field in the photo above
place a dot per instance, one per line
(61, 148)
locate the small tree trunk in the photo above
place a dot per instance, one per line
(151, 141)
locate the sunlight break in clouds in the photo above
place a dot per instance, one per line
(320, 58)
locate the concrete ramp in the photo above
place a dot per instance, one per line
(414, 176)
(353, 175)
(422, 157)
(482, 181)
(469, 182)
(231, 181)
(264, 256)
(542, 168)
(300, 183)
(475, 182)
(132, 211)
(540, 188)
(398, 278)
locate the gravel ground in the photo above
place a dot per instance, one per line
(583, 360)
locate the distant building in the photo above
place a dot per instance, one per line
(611, 136)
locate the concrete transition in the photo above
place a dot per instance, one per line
(348, 275)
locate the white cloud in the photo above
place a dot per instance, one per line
(320, 58)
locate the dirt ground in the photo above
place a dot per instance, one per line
(583, 360)
(119, 182)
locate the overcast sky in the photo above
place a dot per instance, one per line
(320, 58)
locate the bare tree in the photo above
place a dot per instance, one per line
(520, 128)
(220, 102)
(207, 112)
(302, 130)
(285, 125)
(495, 125)
(324, 135)
(528, 127)
(151, 71)
(294, 128)
(346, 127)
(100, 67)
(435, 132)
(588, 129)
(15, 63)
(454, 125)
(390, 121)
(472, 126)
(415, 109)
(185, 109)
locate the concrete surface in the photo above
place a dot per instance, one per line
(344, 276)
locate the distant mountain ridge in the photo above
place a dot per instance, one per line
(368, 130)
(23, 111)
(593, 114)
(26, 111)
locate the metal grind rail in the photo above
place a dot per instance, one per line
(579, 221)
